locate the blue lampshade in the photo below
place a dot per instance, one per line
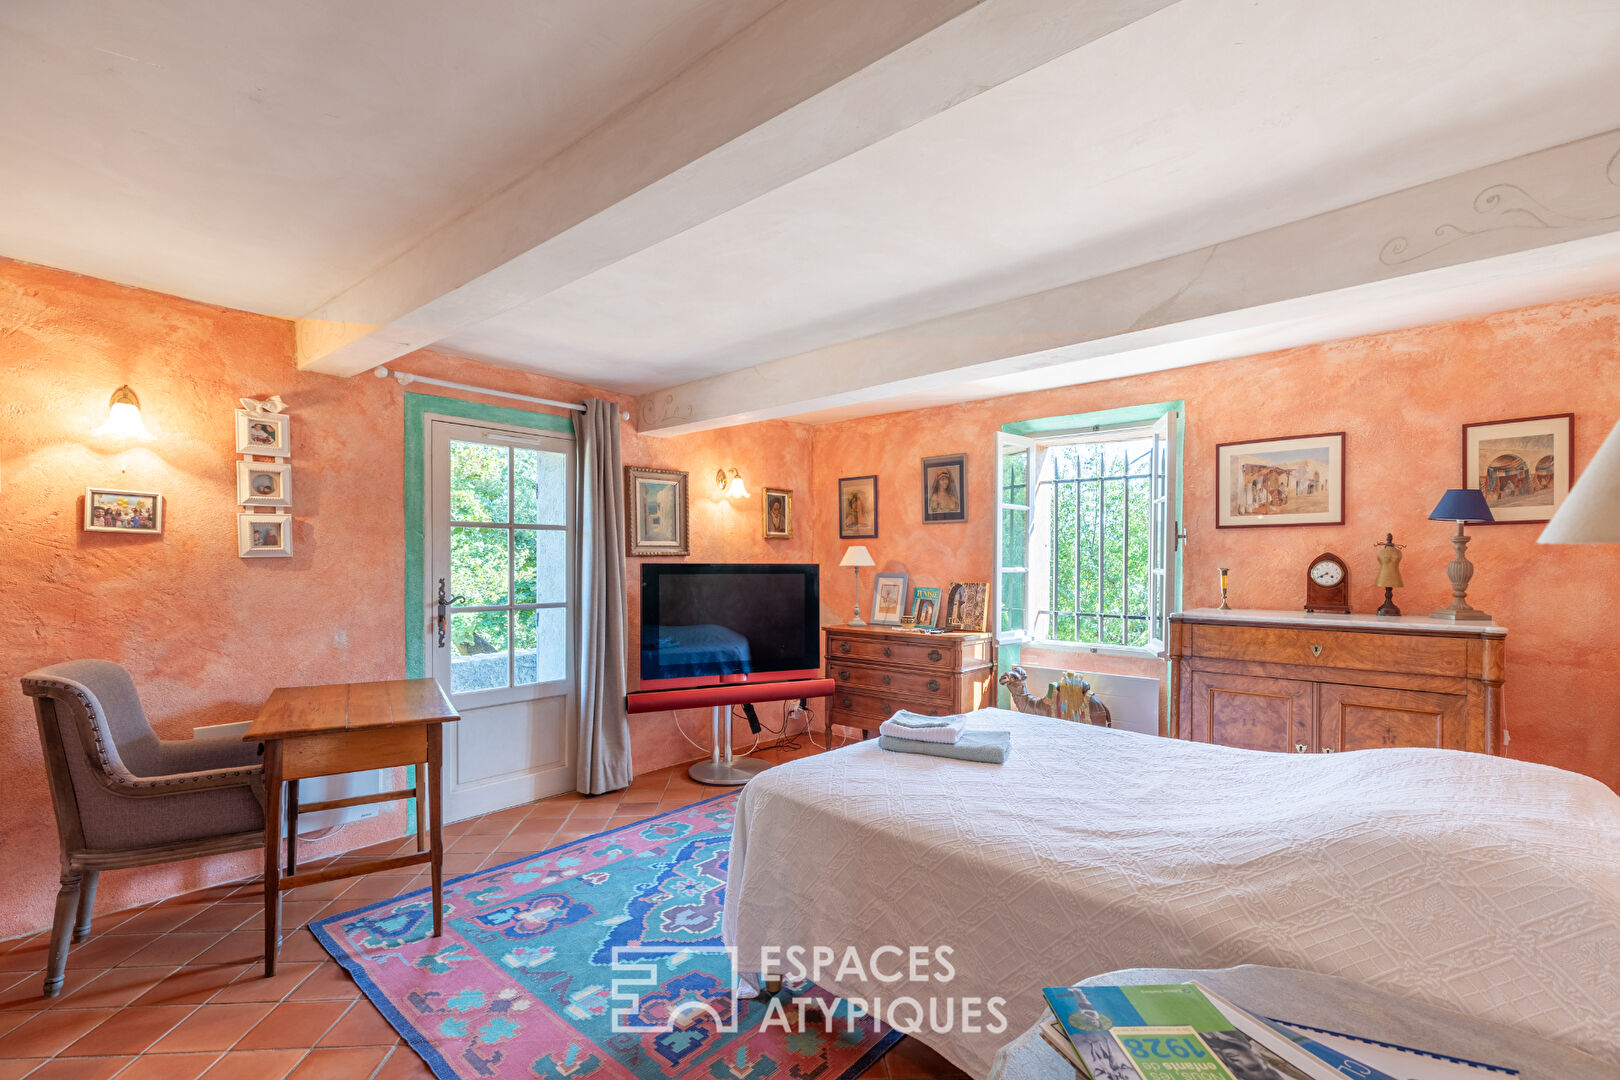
(1462, 504)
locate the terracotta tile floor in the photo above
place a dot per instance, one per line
(175, 990)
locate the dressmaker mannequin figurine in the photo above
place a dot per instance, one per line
(1389, 573)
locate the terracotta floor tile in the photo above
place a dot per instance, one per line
(109, 951)
(191, 985)
(330, 982)
(169, 950)
(109, 989)
(362, 1025)
(27, 957)
(404, 1064)
(475, 843)
(300, 947)
(220, 918)
(28, 993)
(155, 920)
(16, 1068)
(254, 1065)
(293, 1024)
(48, 1032)
(80, 1068)
(217, 1027)
(455, 865)
(129, 1031)
(339, 1064)
(240, 947)
(168, 1066)
(909, 1059)
(14, 1019)
(251, 985)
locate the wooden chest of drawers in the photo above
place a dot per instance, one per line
(1291, 682)
(881, 670)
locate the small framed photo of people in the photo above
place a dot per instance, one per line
(778, 514)
(1522, 465)
(109, 510)
(858, 508)
(925, 604)
(264, 536)
(888, 599)
(260, 483)
(964, 606)
(265, 434)
(655, 504)
(944, 488)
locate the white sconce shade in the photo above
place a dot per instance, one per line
(124, 417)
(1591, 510)
(730, 484)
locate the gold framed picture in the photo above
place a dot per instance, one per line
(656, 503)
(777, 514)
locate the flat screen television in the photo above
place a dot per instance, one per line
(709, 623)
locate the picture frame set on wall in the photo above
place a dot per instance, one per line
(858, 507)
(944, 489)
(264, 430)
(1523, 466)
(1269, 483)
(110, 510)
(656, 511)
(263, 483)
(264, 536)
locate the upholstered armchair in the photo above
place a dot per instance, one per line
(125, 797)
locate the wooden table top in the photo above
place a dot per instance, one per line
(297, 711)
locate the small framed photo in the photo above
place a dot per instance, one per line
(888, 599)
(266, 434)
(1294, 481)
(263, 536)
(656, 503)
(778, 514)
(964, 606)
(944, 488)
(858, 508)
(925, 604)
(1521, 465)
(259, 483)
(109, 510)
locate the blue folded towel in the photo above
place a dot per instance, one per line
(990, 747)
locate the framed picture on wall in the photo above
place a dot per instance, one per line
(888, 599)
(260, 483)
(964, 606)
(944, 488)
(265, 434)
(264, 536)
(778, 514)
(1297, 480)
(110, 510)
(1521, 465)
(655, 503)
(925, 604)
(858, 508)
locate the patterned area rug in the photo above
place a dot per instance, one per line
(522, 984)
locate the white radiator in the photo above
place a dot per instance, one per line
(1132, 700)
(316, 788)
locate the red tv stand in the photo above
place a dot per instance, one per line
(724, 768)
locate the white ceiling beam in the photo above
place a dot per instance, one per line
(1464, 232)
(806, 84)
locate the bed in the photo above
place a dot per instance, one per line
(1480, 884)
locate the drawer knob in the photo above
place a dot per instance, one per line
(844, 674)
(1301, 748)
(843, 646)
(887, 651)
(1327, 749)
(844, 702)
(887, 680)
(933, 684)
(1316, 650)
(935, 655)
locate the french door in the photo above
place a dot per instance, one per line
(501, 595)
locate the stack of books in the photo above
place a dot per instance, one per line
(1188, 1032)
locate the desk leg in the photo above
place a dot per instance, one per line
(422, 839)
(435, 763)
(272, 854)
(292, 827)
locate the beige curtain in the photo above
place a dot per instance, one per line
(604, 728)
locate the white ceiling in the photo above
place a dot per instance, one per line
(1208, 120)
(265, 156)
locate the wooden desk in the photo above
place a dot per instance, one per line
(349, 727)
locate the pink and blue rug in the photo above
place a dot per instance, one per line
(522, 983)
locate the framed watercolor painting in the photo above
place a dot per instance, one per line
(777, 514)
(888, 599)
(655, 501)
(1521, 465)
(264, 536)
(858, 508)
(259, 483)
(964, 606)
(265, 434)
(944, 488)
(1294, 481)
(110, 510)
(925, 604)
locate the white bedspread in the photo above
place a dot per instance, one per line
(1481, 884)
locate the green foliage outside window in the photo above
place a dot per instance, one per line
(1101, 534)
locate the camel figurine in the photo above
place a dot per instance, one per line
(1069, 698)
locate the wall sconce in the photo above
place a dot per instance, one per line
(124, 417)
(728, 483)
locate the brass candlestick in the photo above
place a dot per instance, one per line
(1224, 606)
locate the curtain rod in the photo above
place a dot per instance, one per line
(405, 379)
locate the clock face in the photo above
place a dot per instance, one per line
(1327, 573)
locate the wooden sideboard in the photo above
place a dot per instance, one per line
(880, 670)
(1301, 683)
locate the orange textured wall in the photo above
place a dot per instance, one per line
(1402, 399)
(206, 634)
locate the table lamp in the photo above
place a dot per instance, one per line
(1591, 510)
(857, 556)
(1464, 506)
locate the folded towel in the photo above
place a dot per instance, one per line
(910, 725)
(990, 747)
